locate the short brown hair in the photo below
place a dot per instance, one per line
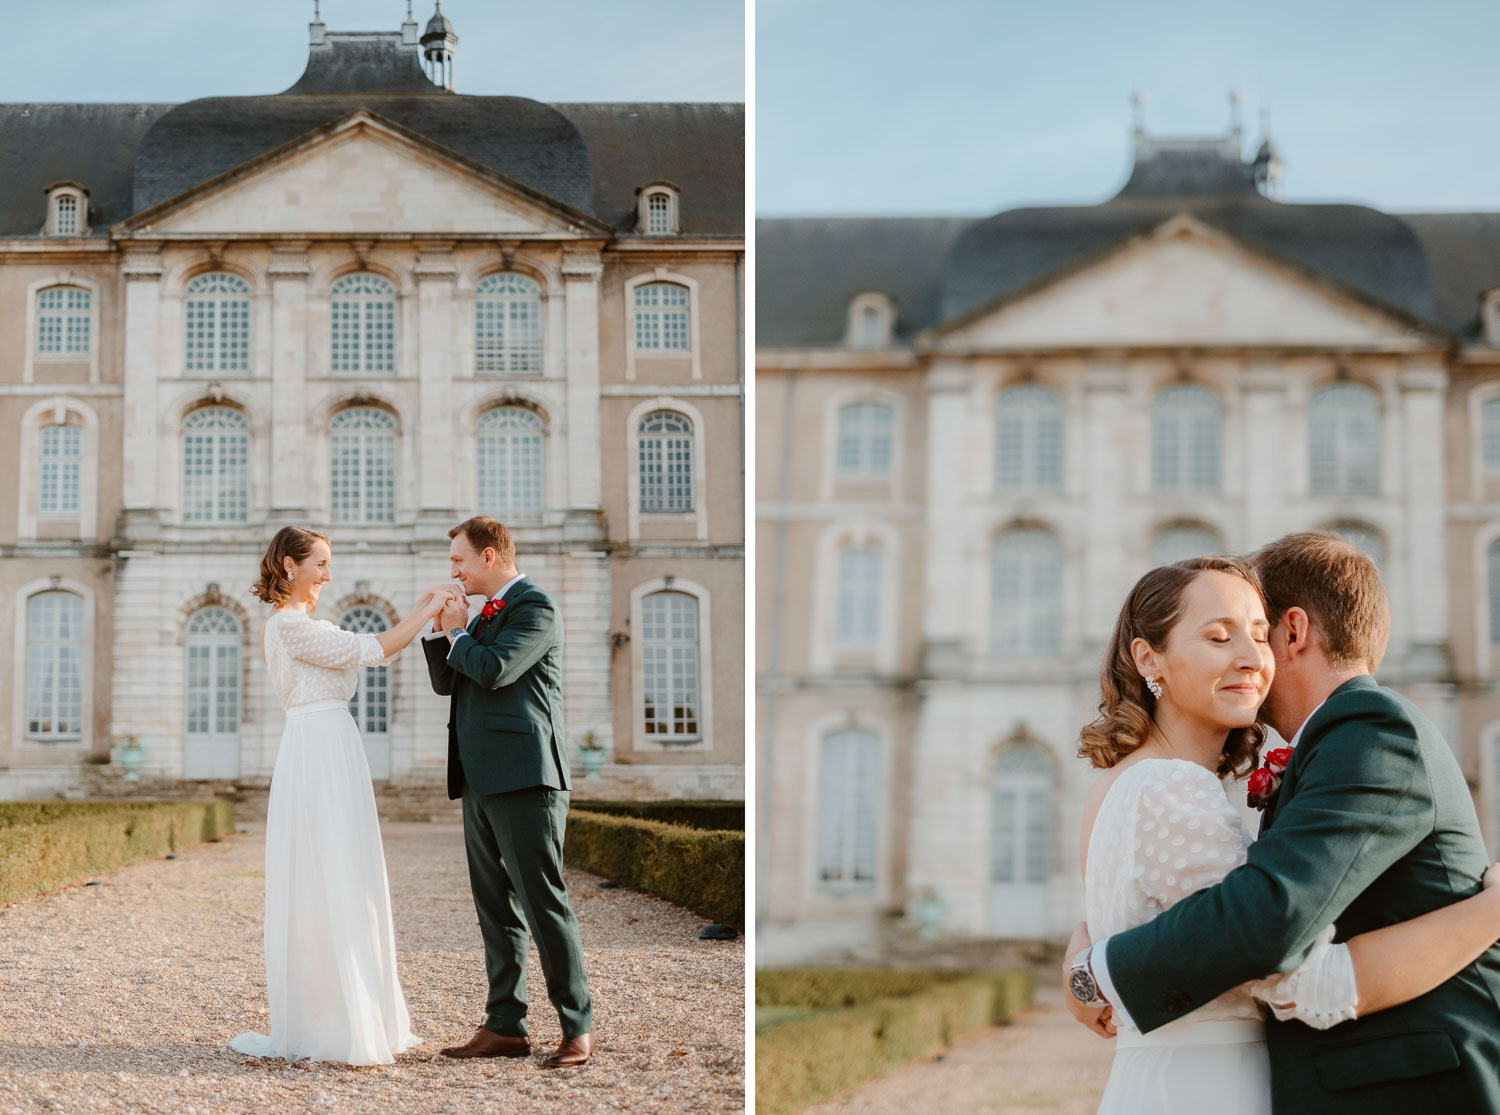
(1126, 707)
(1337, 586)
(485, 533)
(273, 585)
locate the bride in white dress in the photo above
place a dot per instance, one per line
(1158, 826)
(330, 947)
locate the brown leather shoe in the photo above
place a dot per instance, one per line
(572, 1051)
(487, 1043)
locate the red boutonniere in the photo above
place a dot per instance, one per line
(491, 608)
(1266, 780)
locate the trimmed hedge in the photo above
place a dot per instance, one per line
(887, 1018)
(45, 845)
(717, 816)
(702, 870)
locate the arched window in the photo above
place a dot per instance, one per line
(857, 604)
(64, 322)
(1022, 819)
(669, 667)
(1363, 539)
(1178, 543)
(54, 666)
(1185, 440)
(661, 318)
(1489, 432)
(666, 449)
(850, 798)
(362, 456)
(508, 324)
(371, 704)
(1494, 579)
(866, 440)
(657, 213)
(508, 451)
(1026, 593)
(67, 215)
(1029, 440)
(1343, 440)
(363, 317)
(211, 748)
(215, 466)
(217, 313)
(61, 451)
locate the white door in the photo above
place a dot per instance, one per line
(211, 743)
(1020, 843)
(371, 704)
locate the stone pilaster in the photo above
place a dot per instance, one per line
(142, 272)
(581, 272)
(1423, 386)
(290, 462)
(437, 325)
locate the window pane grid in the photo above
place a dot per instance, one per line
(1185, 441)
(67, 216)
(866, 439)
(658, 214)
(1180, 543)
(370, 705)
(54, 666)
(508, 452)
(61, 453)
(666, 462)
(669, 665)
(1343, 440)
(661, 317)
(508, 324)
(1029, 440)
(849, 810)
(215, 466)
(214, 636)
(64, 321)
(362, 456)
(362, 317)
(857, 608)
(1489, 436)
(217, 313)
(1026, 594)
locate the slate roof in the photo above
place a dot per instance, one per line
(591, 157)
(1430, 266)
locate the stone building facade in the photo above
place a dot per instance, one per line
(376, 306)
(974, 435)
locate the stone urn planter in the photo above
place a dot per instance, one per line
(928, 910)
(131, 755)
(591, 754)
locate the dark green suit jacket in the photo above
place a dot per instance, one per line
(505, 719)
(1373, 825)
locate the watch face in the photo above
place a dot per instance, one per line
(1082, 985)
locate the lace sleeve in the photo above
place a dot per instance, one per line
(1320, 991)
(1187, 836)
(322, 644)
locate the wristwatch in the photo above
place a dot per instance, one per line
(1081, 981)
(455, 632)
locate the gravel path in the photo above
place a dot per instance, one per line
(122, 997)
(1043, 1063)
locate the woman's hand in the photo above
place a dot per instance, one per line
(1491, 877)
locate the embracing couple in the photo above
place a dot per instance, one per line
(1363, 917)
(330, 947)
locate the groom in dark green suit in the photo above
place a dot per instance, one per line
(508, 761)
(1372, 824)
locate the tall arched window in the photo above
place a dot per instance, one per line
(1489, 432)
(54, 666)
(669, 667)
(666, 456)
(508, 451)
(362, 456)
(1029, 440)
(217, 314)
(857, 604)
(1178, 543)
(1020, 842)
(215, 466)
(371, 704)
(1343, 440)
(866, 440)
(64, 322)
(508, 324)
(1363, 539)
(850, 796)
(1185, 440)
(61, 451)
(211, 748)
(661, 318)
(363, 320)
(1026, 593)
(1494, 579)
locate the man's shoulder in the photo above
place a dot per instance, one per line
(1362, 708)
(528, 591)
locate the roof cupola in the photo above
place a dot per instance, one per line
(438, 42)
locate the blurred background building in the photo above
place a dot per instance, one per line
(375, 306)
(973, 435)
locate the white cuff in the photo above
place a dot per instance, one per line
(428, 636)
(1099, 963)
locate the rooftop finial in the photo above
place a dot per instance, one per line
(317, 34)
(317, 12)
(1138, 110)
(1235, 101)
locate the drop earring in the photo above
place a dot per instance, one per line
(1153, 685)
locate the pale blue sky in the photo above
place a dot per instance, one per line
(972, 106)
(548, 50)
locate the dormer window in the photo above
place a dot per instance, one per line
(872, 320)
(658, 209)
(67, 210)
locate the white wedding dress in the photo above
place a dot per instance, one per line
(330, 948)
(1164, 830)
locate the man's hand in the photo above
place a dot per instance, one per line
(455, 613)
(1098, 1019)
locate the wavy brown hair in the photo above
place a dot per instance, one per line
(274, 586)
(1126, 706)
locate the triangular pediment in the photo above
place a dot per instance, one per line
(361, 175)
(1185, 284)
